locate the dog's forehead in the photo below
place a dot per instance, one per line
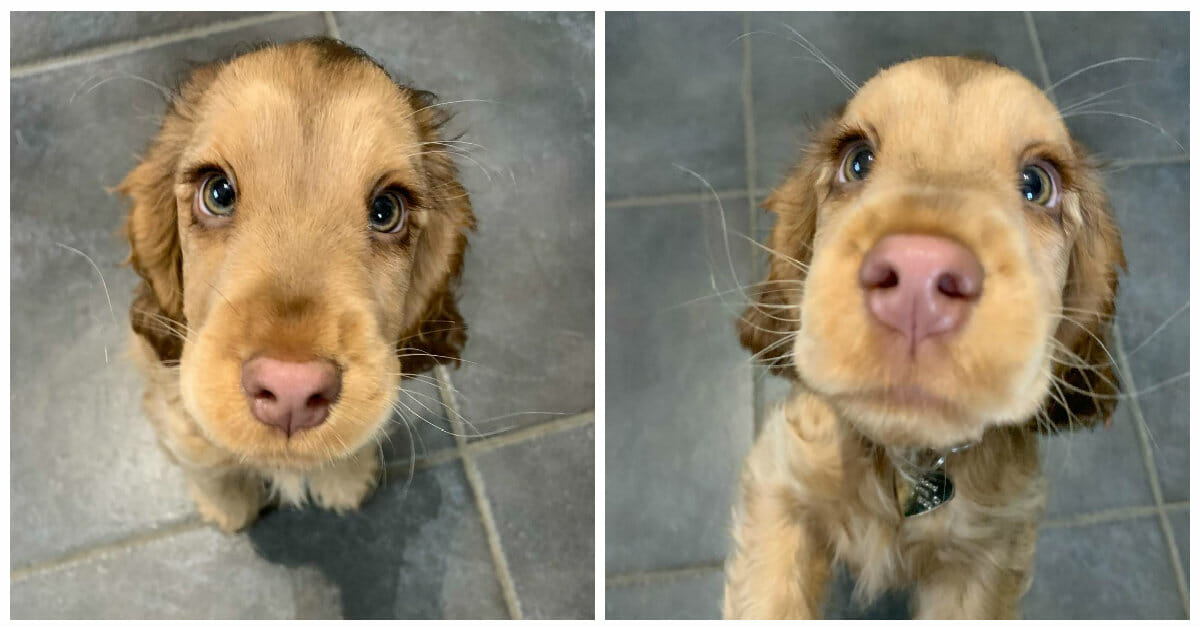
(956, 105)
(297, 108)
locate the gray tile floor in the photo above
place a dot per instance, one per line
(682, 397)
(501, 526)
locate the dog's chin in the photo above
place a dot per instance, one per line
(913, 416)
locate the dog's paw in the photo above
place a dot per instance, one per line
(344, 486)
(230, 506)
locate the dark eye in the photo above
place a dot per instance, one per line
(1037, 184)
(217, 195)
(859, 161)
(387, 212)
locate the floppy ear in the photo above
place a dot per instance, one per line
(767, 325)
(1087, 393)
(152, 226)
(439, 333)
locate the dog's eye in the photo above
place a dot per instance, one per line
(1037, 184)
(859, 160)
(387, 212)
(217, 195)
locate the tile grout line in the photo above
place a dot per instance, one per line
(751, 184)
(475, 480)
(661, 575)
(1149, 161)
(529, 433)
(1110, 516)
(671, 199)
(183, 526)
(331, 26)
(541, 429)
(1039, 55)
(107, 51)
(1152, 471)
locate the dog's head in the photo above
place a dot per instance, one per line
(943, 261)
(299, 230)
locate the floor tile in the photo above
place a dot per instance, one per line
(542, 494)
(416, 549)
(84, 466)
(527, 292)
(695, 596)
(1156, 91)
(421, 424)
(1151, 205)
(1097, 469)
(674, 97)
(679, 403)
(172, 578)
(793, 92)
(38, 35)
(1107, 571)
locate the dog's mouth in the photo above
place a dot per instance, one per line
(910, 398)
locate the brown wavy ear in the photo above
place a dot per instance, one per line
(438, 333)
(768, 323)
(152, 226)
(1087, 392)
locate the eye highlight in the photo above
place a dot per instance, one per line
(1038, 184)
(859, 160)
(387, 212)
(216, 196)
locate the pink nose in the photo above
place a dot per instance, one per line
(920, 285)
(290, 395)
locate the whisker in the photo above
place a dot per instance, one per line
(1092, 67)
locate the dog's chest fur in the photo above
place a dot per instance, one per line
(844, 487)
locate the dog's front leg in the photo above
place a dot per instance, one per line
(781, 562)
(780, 568)
(344, 484)
(980, 589)
(230, 498)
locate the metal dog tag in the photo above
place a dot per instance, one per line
(925, 492)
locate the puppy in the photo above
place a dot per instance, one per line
(299, 232)
(941, 286)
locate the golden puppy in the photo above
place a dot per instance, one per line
(941, 284)
(299, 232)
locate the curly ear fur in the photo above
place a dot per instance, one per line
(1089, 395)
(439, 333)
(767, 325)
(152, 225)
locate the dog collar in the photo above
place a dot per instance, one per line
(921, 482)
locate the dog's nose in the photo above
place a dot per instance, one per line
(920, 285)
(290, 395)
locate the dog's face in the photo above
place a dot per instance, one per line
(299, 220)
(943, 260)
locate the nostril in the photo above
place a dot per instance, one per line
(950, 285)
(880, 275)
(889, 280)
(317, 400)
(957, 286)
(265, 395)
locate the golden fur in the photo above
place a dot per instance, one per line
(308, 131)
(950, 136)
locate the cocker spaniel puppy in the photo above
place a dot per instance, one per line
(299, 231)
(941, 285)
